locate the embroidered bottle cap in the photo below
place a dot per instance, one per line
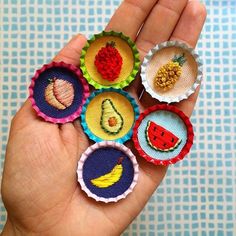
(109, 114)
(110, 59)
(163, 135)
(58, 92)
(107, 171)
(171, 72)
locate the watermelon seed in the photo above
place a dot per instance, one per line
(162, 133)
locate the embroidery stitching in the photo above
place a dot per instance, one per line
(109, 62)
(168, 74)
(160, 138)
(111, 120)
(111, 177)
(59, 93)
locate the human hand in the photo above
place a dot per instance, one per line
(39, 187)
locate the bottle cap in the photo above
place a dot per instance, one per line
(109, 114)
(163, 135)
(110, 59)
(171, 71)
(58, 92)
(107, 171)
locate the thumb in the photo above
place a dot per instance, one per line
(71, 52)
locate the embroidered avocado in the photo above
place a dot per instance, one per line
(111, 120)
(160, 138)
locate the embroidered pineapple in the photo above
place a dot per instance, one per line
(169, 73)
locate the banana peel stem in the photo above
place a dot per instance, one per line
(120, 160)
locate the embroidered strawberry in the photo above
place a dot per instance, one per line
(109, 62)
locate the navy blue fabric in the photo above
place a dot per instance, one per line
(41, 84)
(102, 161)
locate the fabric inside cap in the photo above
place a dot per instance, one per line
(43, 81)
(101, 162)
(94, 111)
(187, 78)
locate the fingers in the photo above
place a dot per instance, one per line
(187, 30)
(187, 106)
(130, 16)
(160, 24)
(157, 28)
(190, 25)
(195, 13)
(71, 52)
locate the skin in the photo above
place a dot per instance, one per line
(39, 186)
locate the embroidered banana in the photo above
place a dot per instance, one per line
(168, 74)
(110, 178)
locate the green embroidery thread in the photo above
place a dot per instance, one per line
(111, 120)
(168, 74)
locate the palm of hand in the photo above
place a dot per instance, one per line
(40, 190)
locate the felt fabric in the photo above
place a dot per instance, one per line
(187, 78)
(101, 162)
(94, 112)
(125, 52)
(169, 121)
(41, 84)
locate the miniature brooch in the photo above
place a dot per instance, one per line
(163, 135)
(110, 59)
(109, 114)
(107, 171)
(171, 72)
(58, 92)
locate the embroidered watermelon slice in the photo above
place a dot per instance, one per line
(160, 138)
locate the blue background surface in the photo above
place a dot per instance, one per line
(198, 195)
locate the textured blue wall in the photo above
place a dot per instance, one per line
(198, 195)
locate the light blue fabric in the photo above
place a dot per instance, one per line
(198, 195)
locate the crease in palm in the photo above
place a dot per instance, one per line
(39, 187)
